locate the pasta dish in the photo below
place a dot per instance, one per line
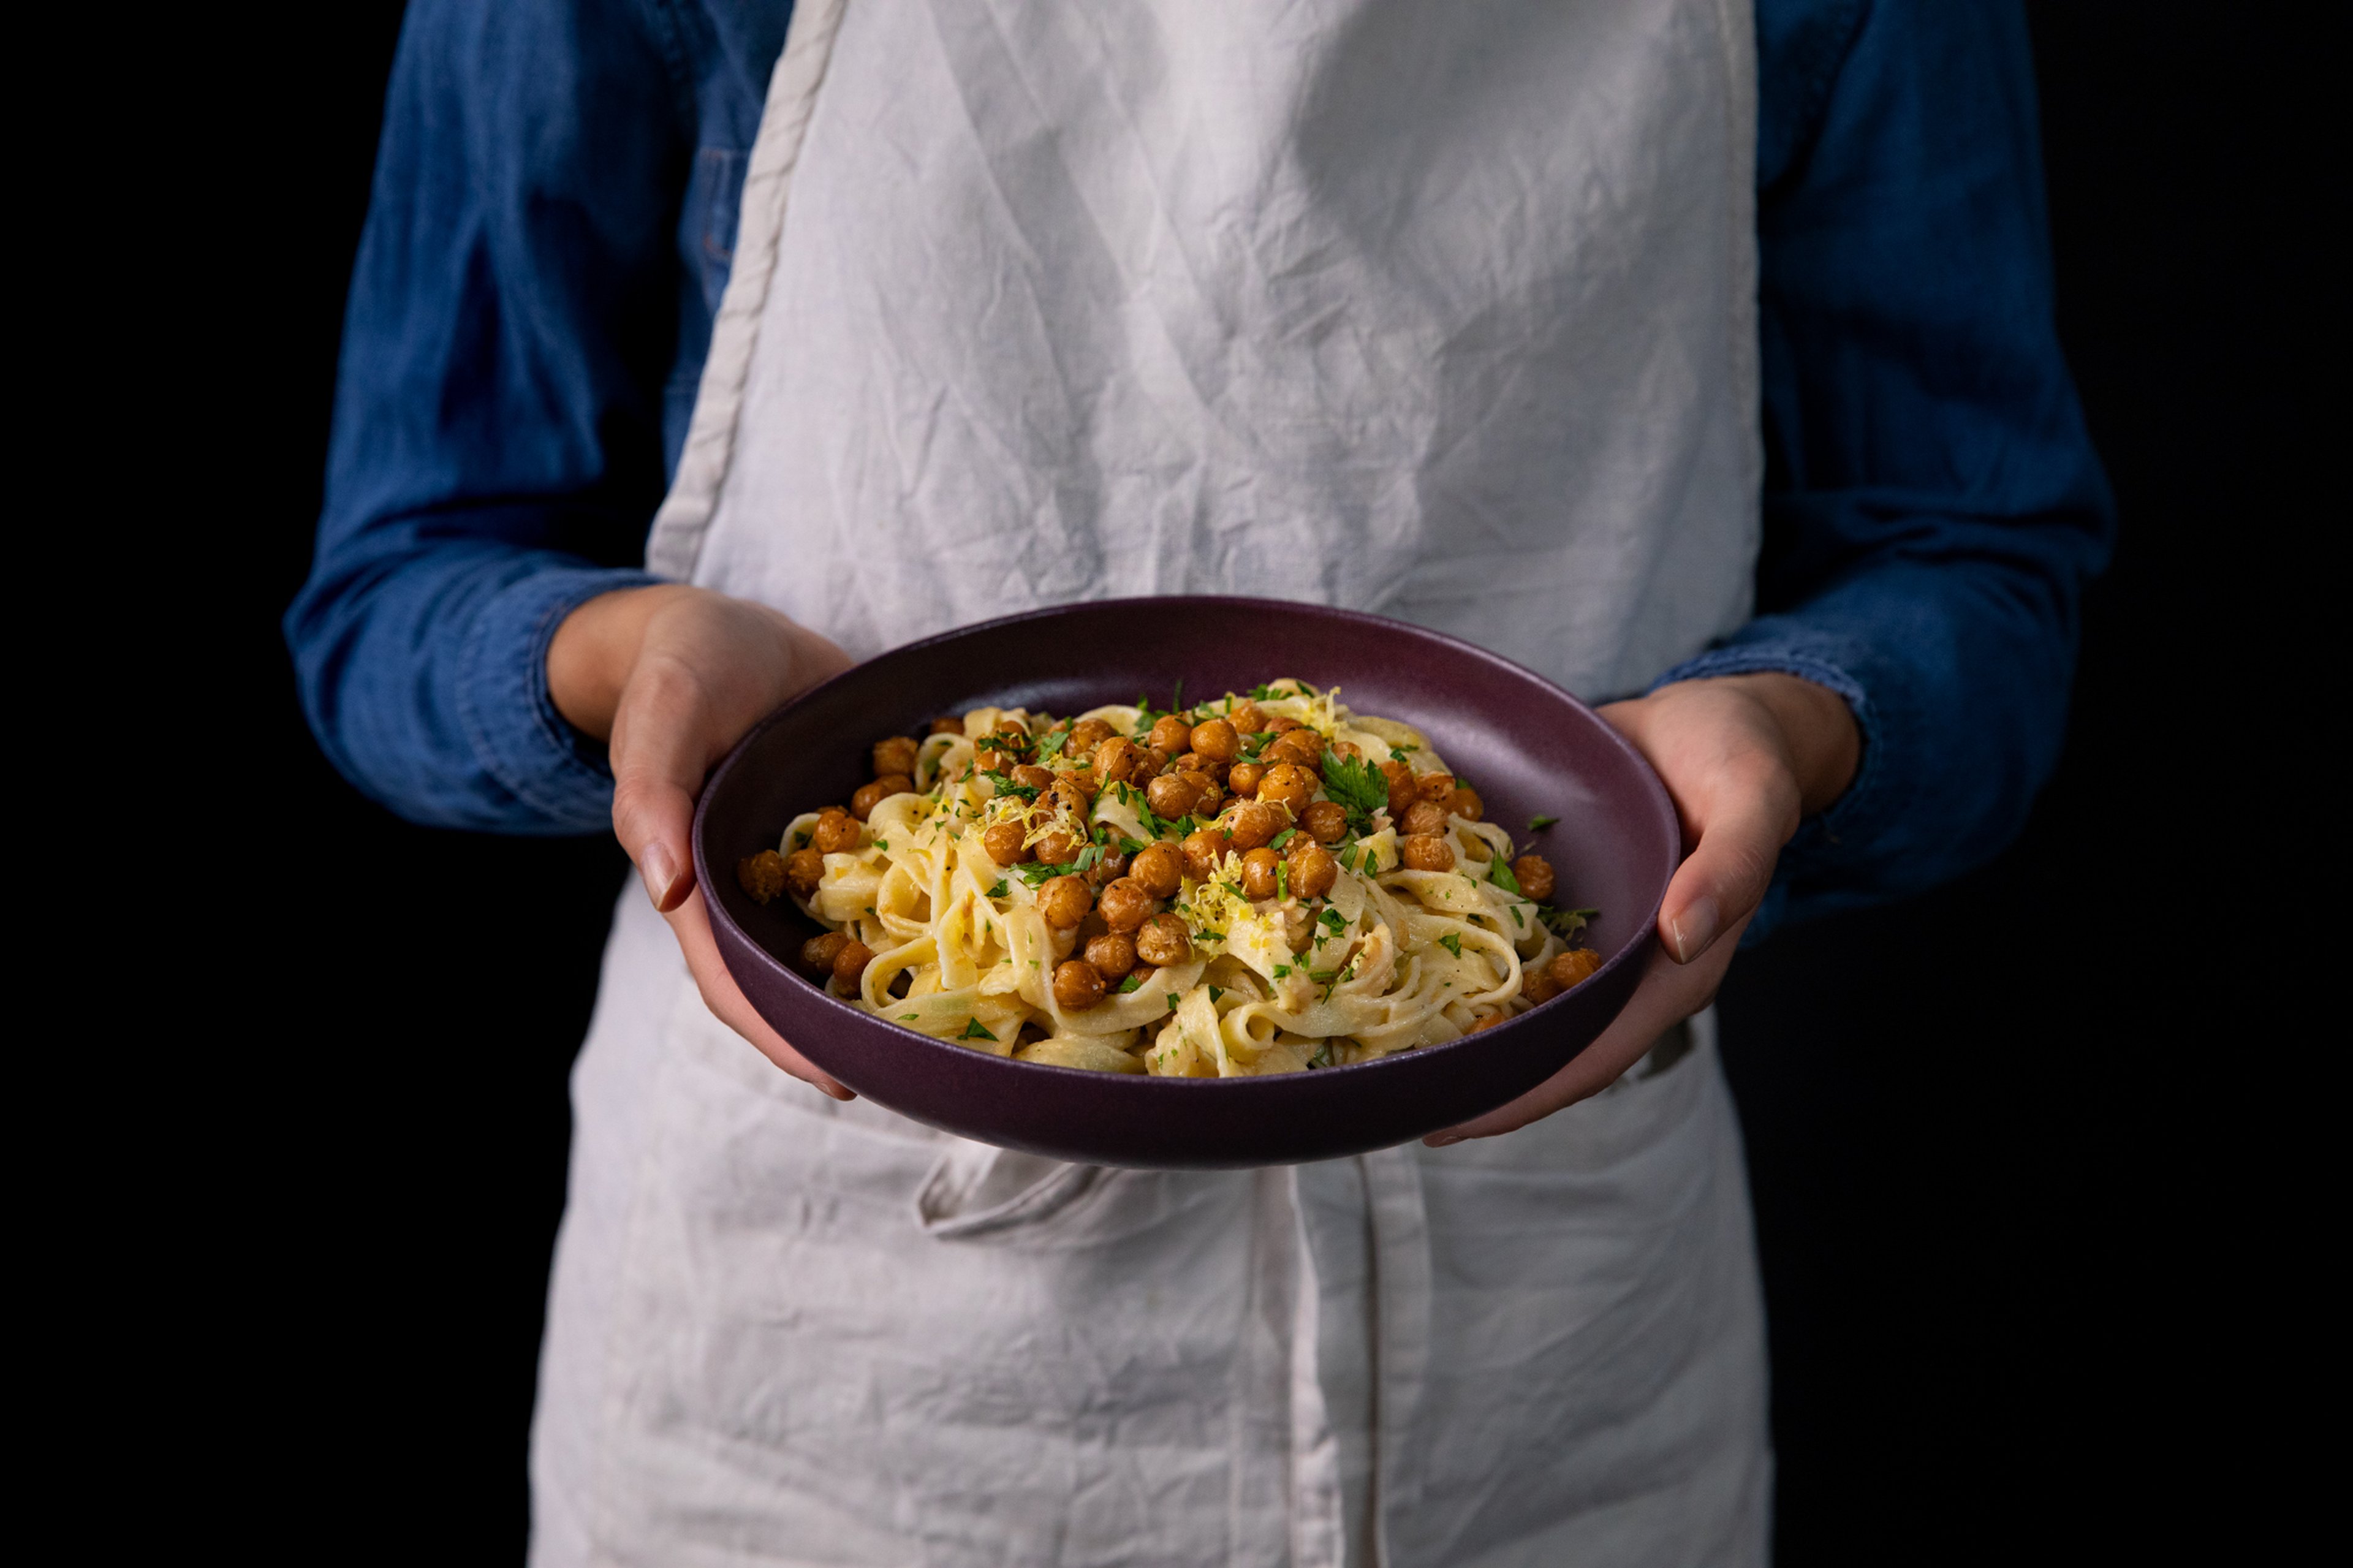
(1259, 884)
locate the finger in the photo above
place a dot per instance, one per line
(660, 750)
(1740, 831)
(691, 923)
(1667, 994)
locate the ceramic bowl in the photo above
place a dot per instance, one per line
(1529, 748)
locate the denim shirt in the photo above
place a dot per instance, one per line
(553, 209)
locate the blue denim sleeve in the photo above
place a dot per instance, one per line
(1933, 505)
(516, 307)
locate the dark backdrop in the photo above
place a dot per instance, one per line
(1996, 1134)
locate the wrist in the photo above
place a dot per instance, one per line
(1818, 729)
(595, 648)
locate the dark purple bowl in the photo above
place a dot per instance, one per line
(1528, 747)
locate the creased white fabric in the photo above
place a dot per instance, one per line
(1444, 310)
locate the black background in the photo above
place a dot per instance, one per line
(2004, 1141)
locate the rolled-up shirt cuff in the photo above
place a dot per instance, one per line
(507, 712)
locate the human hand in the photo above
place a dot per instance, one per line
(1745, 758)
(671, 676)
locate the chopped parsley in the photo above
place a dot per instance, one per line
(1538, 824)
(881, 844)
(1052, 746)
(1005, 785)
(1130, 983)
(1283, 880)
(1282, 838)
(908, 1018)
(1400, 753)
(1452, 942)
(1177, 702)
(1355, 783)
(1261, 693)
(1216, 992)
(973, 1031)
(1323, 1056)
(1282, 970)
(1499, 871)
(1332, 919)
(801, 840)
(1129, 846)
(999, 891)
(1172, 1000)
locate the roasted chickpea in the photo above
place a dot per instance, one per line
(1003, 840)
(850, 965)
(1489, 1022)
(1113, 954)
(1281, 726)
(836, 832)
(868, 797)
(1216, 741)
(804, 869)
(1247, 718)
(1036, 778)
(1326, 821)
(1258, 872)
(1534, 874)
(1211, 795)
(895, 755)
(1163, 940)
(819, 952)
(761, 876)
(1424, 816)
(1107, 870)
(1402, 793)
(1245, 778)
(1093, 926)
(1116, 760)
(947, 726)
(990, 758)
(1126, 905)
(1465, 803)
(1170, 733)
(1434, 786)
(1087, 734)
(1314, 869)
(1194, 762)
(1287, 785)
(1157, 869)
(1305, 747)
(1203, 851)
(1538, 986)
(1064, 901)
(1253, 823)
(1574, 967)
(1058, 846)
(1426, 852)
(1067, 798)
(1174, 795)
(1077, 987)
(1154, 763)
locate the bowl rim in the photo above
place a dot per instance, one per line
(1635, 951)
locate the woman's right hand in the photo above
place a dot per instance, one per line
(671, 676)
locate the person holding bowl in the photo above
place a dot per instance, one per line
(1695, 353)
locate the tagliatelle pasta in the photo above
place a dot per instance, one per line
(1261, 884)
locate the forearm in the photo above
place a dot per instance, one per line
(423, 674)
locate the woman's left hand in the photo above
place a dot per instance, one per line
(1744, 757)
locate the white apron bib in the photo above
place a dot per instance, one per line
(1435, 309)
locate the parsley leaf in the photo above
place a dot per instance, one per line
(1130, 983)
(1452, 942)
(1005, 785)
(1260, 693)
(998, 892)
(1282, 970)
(908, 1018)
(801, 840)
(1332, 919)
(1052, 746)
(1216, 992)
(973, 1031)
(881, 844)
(1538, 824)
(1282, 838)
(1037, 876)
(1499, 871)
(1400, 753)
(1172, 1000)
(1323, 1056)
(1283, 880)
(1129, 846)
(1355, 783)
(1177, 703)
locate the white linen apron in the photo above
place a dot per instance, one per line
(1437, 309)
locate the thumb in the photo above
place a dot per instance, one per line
(1722, 881)
(659, 757)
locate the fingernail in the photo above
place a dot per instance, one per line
(661, 872)
(1441, 1139)
(1695, 928)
